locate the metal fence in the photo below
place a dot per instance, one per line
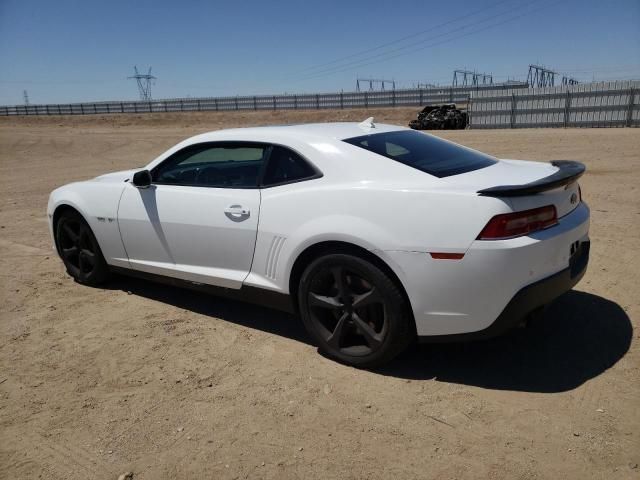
(316, 101)
(602, 104)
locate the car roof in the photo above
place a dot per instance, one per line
(311, 139)
(332, 130)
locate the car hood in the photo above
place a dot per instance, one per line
(115, 177)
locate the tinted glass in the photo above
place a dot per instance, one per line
(286, 166)
(222, 166)
(424, 152)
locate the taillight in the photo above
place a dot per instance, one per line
(509, 225)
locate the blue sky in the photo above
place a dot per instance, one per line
(68, 51)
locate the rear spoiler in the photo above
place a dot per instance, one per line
(568, 172)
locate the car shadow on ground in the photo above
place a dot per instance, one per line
(580, 336)
(240, 313)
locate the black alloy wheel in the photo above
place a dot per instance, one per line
(356, 313)
(79, 249)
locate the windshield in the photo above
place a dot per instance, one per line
(424, 152)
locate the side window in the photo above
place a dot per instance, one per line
(286, 166)
(222, 165)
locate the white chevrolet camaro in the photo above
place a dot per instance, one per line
(373, 234)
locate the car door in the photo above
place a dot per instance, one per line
(198, 219)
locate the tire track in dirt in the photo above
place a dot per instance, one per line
(62, 459)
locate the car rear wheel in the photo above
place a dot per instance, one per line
(79, 249)
(354, 311)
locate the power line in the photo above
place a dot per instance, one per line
(399, 40)
(359, 63)
(400, 51)
(602, 69)
(387, 57)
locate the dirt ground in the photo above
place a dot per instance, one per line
(165, 383)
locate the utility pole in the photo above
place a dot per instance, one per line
(25, 95)
(144, 83)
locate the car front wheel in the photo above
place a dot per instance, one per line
(354, 311)
(79, 249)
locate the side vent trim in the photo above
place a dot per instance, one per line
(271, 264)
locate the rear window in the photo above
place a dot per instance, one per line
(427, 153)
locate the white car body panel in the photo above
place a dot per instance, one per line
(394, 211)
(451, 297)
(97, 200)
(186, 232)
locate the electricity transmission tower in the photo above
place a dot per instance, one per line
(467, 78)
(144, 83)
(569, 81)
(543, 77)
(372, 81)
(25, 95)
(540, 76)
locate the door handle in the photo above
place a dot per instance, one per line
(237, 210)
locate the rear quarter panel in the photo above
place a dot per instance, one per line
(369, 214)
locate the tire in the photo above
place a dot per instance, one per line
(371, 327)
(79, 249)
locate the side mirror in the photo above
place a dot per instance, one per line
(142, 179)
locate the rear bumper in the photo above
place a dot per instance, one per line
(527, 300)
(456, 297)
